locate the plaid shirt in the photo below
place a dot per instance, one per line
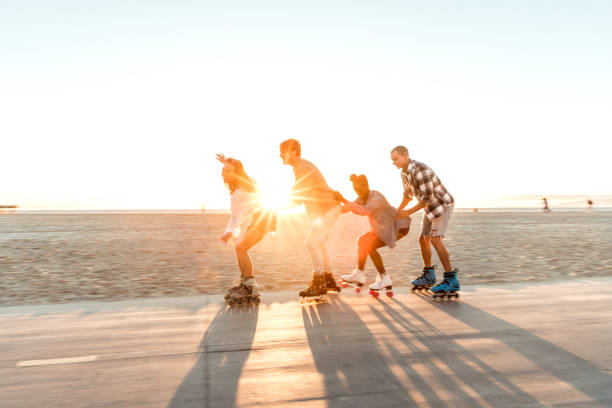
(420, 181)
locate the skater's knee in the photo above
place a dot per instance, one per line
(365, 241)
(362, 242)
(311, 242)
(313, 246)
(424, 239)
(437, 241)
(374, 253)
(241, 248)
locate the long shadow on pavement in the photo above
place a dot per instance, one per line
(346, 353)
(433, 352)
(551, 358)
(225, 347)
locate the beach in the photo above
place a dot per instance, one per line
(59, 258)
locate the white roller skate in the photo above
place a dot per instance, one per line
(382, 282)
(355, 279)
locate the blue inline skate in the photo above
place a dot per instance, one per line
(426, 280)
(448, 288)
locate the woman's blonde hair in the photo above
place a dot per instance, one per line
(241, 179)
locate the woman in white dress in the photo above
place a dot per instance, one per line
(247, 209)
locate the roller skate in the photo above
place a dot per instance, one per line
(234, 289)
(382, 282)
(426, 280)
(448, 288)
(245, 293)
(330, 283)
(355, 279)
(316, 292)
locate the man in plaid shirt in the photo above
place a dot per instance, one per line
(421, 182)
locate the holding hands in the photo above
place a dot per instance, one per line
(338, 197)
(226, 236)
(402, 214)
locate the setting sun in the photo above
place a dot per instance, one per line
(276, 199)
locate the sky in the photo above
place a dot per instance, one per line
(123, 104)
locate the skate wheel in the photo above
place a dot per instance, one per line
(390, 294)
(374, 293)
(256, 301)
(357, 290)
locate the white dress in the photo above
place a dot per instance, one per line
(243, 205)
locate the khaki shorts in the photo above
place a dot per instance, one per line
(439, 226)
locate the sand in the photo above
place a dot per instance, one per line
(78, 257)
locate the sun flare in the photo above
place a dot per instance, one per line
(275, 199)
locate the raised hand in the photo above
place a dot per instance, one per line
(221, 157)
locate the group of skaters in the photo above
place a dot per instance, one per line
(323, 206)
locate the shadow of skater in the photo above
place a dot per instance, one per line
(225, 347)
(551, 358)
(346, 353)
(433, 350)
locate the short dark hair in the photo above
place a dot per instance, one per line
(291, 145)
(400, 149)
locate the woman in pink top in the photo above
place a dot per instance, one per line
(245, 205)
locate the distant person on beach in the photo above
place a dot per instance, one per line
(545, 207)
(245, 204)
(421, 182)
(590, 203)
(386, 231)
(311, 189)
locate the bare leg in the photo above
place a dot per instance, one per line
(425, 244)
(368, 245)
(442, 253)
(377, 260)
(363, 249)
(325, 257)
(250, 238)
(375, 256)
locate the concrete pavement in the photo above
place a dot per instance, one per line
(542, 344)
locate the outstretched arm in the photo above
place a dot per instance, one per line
(407, 213)
(350, 206)
(339, 198)
(405, 202)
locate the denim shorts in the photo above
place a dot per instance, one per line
(439, 226)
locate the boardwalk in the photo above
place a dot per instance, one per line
(501, 346)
